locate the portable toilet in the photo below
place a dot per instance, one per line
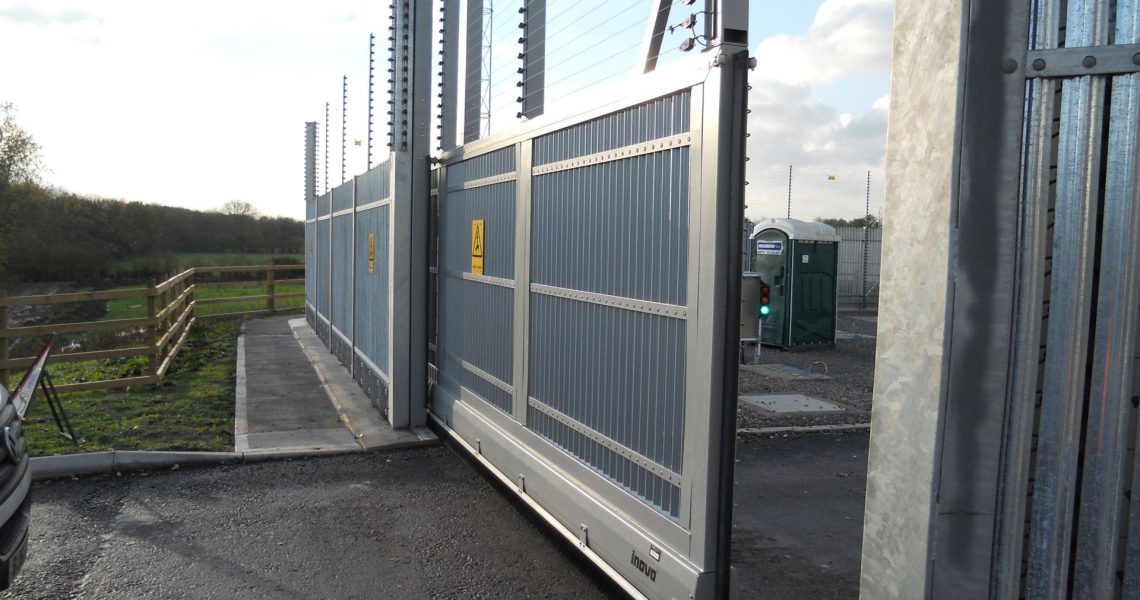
(799, 261)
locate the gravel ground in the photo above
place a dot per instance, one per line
(411, 524)
(850, 364)
(421, 523)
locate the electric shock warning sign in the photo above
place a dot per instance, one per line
(372, 253)
(477, 230)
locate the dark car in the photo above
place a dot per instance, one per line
(15, 488)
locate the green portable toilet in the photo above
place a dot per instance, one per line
(799, 261)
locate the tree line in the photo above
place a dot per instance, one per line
(47, 234)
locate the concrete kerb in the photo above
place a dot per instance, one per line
(804, 429)
(241, 422)
(114, 461)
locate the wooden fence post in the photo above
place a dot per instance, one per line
(190, 284)
(4, 340)
(270, 289)
(152, 331)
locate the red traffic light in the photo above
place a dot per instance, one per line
(764, 291)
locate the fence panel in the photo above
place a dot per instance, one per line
(859, 254)
(477, 330)
(341, 341)
(323, 265)
(371, 365)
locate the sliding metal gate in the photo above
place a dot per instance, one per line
(586, 321)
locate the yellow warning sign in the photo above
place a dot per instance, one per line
(477, 241)
(372, 253)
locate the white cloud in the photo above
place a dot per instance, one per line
(847, 36)
(831, 150)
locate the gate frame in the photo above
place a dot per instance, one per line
(607, 516)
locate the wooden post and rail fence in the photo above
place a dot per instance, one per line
(170, 313)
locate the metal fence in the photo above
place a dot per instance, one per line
(347, 280)
(859, 253)
(555, 266)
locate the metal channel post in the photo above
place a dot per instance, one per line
(654, 35)
(310, 160)
(449, 86)
(1114, 348)
(534, 58)
(411, 208)
(473, 84)
(714, 293)
(1067, 337)
(523, 208)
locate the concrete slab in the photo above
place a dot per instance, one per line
(337, 438)
(790, 403)
(281, 392)
(785, 372)
(293, 397)
(354, 407)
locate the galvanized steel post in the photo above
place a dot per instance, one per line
(410, 213)
(533, 85)
(449, 73)
(310, 160)
(473, 84)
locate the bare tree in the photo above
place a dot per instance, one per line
(239, 208)
(241, 220)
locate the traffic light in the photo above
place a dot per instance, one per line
(765, 300)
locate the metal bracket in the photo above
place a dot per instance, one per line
(1077, 62)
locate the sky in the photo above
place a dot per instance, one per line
(135, 100)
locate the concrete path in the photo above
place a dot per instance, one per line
(292, 395)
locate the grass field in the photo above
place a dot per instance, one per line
(192, 409)
(129, 308)
(199, 259)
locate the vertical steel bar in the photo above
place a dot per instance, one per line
(654, 35)
(310, 161)
(1037, 151)
(1074, 245)
(473, 86)
(449, 92)
(534, 58)
(1114, 341)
